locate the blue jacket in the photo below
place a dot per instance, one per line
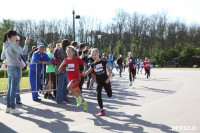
(36, 57)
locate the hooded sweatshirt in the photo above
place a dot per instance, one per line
(11, 53)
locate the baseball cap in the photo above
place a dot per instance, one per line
(40, 44)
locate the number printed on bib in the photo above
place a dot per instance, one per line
(98, 68)
(70, 67)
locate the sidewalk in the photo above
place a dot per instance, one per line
(151, 105)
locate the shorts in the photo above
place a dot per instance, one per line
(76, 81)
(51, 76)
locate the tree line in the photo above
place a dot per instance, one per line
(155, 36)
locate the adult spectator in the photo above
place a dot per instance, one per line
(60, 54)
(38, 59)
(11, 53)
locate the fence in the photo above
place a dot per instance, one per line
(23, 90)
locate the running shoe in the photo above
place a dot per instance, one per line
(130, 84)
(85, 106)
(8, 110)
(15, 111)
(101, 113)
(79, 101)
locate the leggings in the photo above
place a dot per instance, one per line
(108, 90)
(148, 73)
(81, 84)
(132, 73)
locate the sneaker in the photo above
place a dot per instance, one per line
(102, 112)
(79, 101)
(130, 84)
(37, 100)
(51, 97)
(46, 95)
(15, 112)
(18, 102)
(8, 110)
(85, 106)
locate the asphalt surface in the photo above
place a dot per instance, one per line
(168, 102)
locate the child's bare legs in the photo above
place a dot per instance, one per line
(49, 86)
(69, 87)
(79, 93)
(75, 91)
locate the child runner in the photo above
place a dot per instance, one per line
(103, 80)
(150, 65)
(141, 66)
(92, 75)
(74, 76)
(131, 67)
(138, 66)
(120, 65)
(146, 67)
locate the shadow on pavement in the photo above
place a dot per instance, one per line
(6, 129)
(157, 90)
(132, 123)
(58, 125)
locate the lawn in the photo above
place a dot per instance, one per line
(24, 83)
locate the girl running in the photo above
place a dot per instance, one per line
(146, 67)
(103, 80)
(74, 76)
(131, 67)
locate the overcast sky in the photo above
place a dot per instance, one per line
(187, 11)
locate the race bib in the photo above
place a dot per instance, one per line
(70, 67)
(98, 68)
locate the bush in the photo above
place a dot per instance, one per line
(2, 73)
(24, 73)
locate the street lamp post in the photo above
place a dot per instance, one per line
(99, 38)
(74, 17)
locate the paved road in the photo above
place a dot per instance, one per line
(169, 99)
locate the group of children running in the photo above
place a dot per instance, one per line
(71, 64)
(134, 66)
